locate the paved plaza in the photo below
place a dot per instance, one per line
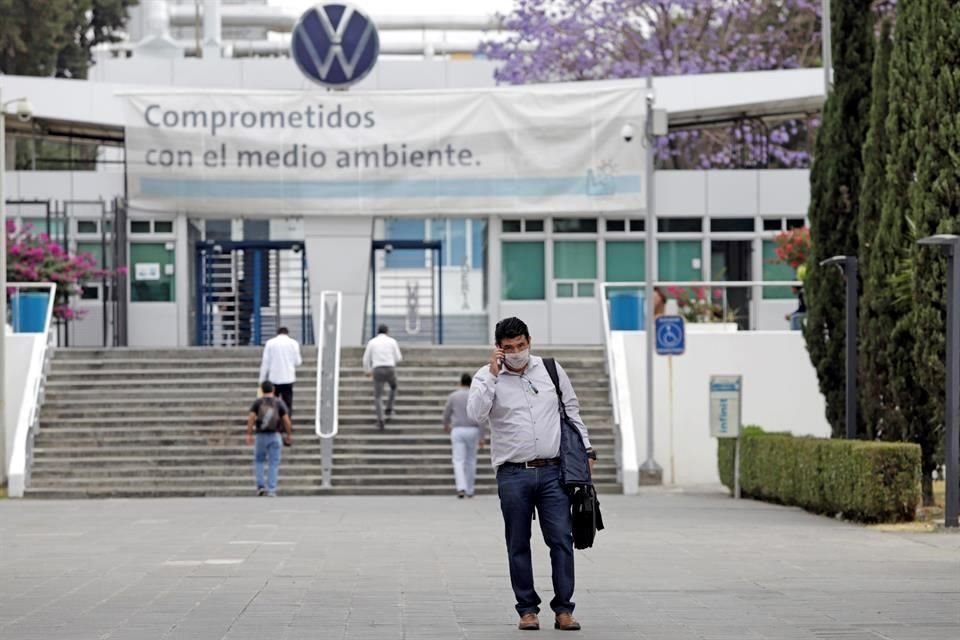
(672, 566)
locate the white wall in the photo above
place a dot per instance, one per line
(153, 324)
(17, 354)
(780, 393)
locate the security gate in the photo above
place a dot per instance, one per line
(408, 300)
(246, 290)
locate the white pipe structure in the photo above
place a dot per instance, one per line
(283, 20)
(252, 48)
(211, 28)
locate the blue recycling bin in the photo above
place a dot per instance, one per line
(29, 310)
(626, 311)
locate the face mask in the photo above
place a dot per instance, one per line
(517, 360)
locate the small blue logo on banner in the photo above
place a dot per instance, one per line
(335, 45)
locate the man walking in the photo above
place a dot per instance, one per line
(281, 357)
(380, 360)
(465, 437)
(515, 393)
(268, 417)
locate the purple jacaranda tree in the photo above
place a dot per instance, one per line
(569, 40)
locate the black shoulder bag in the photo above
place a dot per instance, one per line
(575, 469)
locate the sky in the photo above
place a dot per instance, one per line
(414, 7)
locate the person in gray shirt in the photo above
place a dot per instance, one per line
(517, 396)
(465, 438)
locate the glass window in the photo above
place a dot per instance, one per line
(511, 226)
(139, 226)
(149, 278)
(534, 226)
(39, 225)
(457, 242)
(796, 223)
(616, 225)
(772, 270)
(523, 271)
(680, 225)
(772, 224)
(91, 292)
(564, 289)
(166, 226)
(638, 225)
(625, 261)
(397, 229)
(585, 289)
(732, 225)
(478, 242)
(680, 260)
(96, 250)
(87, 226)
(219, 229)
(575, 260)
(574, 225)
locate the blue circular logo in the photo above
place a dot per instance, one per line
(335, 45)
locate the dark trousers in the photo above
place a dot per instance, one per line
(384, 376)
(521, 491)
(285, 393)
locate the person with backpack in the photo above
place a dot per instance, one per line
(517, 394)
(268, 421)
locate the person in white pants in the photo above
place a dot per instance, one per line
(465, 436)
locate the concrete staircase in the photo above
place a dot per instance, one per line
(136, 423)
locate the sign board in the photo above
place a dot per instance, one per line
(335, 45)
(146, 271)
(535, 149)
(725, 406)
(671, 338)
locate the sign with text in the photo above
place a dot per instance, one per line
(725, 406)
(670, 335)
(535, 149)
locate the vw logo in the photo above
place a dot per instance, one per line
(335, 45)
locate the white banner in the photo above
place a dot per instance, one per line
(540, 149)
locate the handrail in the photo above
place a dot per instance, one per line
(18, 475)
(625, 450)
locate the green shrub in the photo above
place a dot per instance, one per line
(859, 480)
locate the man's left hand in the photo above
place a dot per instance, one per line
(591, 461)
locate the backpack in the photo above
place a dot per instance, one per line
(268, 416)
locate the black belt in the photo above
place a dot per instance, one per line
(533, 464)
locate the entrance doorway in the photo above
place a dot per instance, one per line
(408, 300)
(730, 260)
(246, 290)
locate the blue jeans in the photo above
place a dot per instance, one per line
(522, 490)
(267, 450)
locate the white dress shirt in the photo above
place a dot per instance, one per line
(523, 411)
(281, 357)
(381, 351)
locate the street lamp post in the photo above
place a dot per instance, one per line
(848, 266)
(950, 244)
(24, 112)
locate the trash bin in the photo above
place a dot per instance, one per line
(626, 311)
(29, 310)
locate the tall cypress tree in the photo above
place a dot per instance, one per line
(835, 188)
(935, 207)
(876, 399)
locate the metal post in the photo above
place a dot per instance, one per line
(3, 296)
(373, 292)
(257, 271)
(650, 471)
(851, 338)
(440, 295)
(952, 431)
(951, 246)
(326, 462)
(825, 37)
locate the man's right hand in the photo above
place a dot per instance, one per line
(249, 439)
(495, 359)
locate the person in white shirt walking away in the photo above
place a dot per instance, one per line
(380, 360)
(281, 357)
(465, 436)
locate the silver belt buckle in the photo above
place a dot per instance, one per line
(527, 465)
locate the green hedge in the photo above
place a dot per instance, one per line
(859, 480)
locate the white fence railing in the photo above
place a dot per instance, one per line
(18, 475)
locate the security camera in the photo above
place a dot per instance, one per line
(627, 132)
(24, 110)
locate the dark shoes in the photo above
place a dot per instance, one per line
(529, 622)
(566, 622)
(460, 494)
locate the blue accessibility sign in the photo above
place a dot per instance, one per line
(670, 334)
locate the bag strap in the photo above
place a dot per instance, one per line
(551, 366)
